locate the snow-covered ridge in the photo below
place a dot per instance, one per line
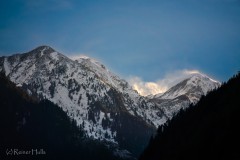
(103, 73)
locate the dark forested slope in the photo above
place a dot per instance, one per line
(208, 130)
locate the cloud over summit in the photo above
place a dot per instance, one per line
(161, 85)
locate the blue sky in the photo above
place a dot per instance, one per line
(147, 39)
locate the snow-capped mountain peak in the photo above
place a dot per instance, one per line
(194, 87)
(206, 83)
(41, 51)
(185, 92)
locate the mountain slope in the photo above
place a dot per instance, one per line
(184, 93)
(104, 105)
(27, 124)
(208, 130)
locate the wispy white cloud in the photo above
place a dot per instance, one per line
(146, 88)
(161, 85)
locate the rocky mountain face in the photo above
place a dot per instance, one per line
(184, 93)
(104, 105)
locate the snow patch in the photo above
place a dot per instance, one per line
(6, 66)
(54, 56)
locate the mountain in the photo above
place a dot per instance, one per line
(28, 124)
(184, 93)
(193, 88)
(208, 130)
(101, 103)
